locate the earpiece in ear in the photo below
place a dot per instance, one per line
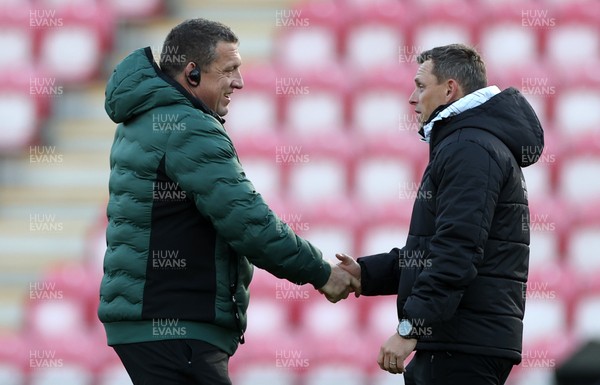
(194, 76)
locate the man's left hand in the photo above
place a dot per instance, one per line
(393, 353)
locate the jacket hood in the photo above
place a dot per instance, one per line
(137, 85)
(509, 117)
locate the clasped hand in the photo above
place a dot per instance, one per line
(344, 279)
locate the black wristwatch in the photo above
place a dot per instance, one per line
(405, 328)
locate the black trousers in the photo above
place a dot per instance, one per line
(175, 362)
(452, 368)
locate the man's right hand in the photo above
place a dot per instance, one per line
(340, 284)
(351, 266)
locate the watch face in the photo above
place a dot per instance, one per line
(404, 327)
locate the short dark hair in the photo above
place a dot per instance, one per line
(459, 62)
(194, 40)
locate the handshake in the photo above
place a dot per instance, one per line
(344, 279)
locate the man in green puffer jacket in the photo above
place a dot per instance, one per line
(185, 225)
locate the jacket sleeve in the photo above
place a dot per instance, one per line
(203, 161)
(468, 183)
(380, 273)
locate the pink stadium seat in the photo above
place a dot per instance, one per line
(72, 52)
(376, 34)
(261, 158)
(340, 372)
(137, 9)
(576, 102)
(505, 39)
(314, 102)
(24, 102)
(584, 241)
(577, 168)
(256, 108)
(379, 102)
(330, 225)
(389, 166)
(17, 37)
(383, 227)
(309, 36)
(14, 360)
(575, 21)
(319, 168)
(586, 315)
(443, 23)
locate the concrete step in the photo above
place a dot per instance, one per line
(50, 166)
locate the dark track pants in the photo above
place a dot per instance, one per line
(452, 368)
(175, 362)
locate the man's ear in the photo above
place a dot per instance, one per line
(192, 74)
(453, 91)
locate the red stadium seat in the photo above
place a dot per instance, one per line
(379, 102)
(319, 168)
(14, 360)
(314, 103)
(384, 227)
(256, 108)
(71, 49)
(584, 241)
(580, 163)
(505, 38)
(136, 9)
(17, 37)
(309, 35)
(261, 158)
(444, 23)
(376, 35)
(330, 225)
(25, 99)
(574, 21)
(577, 98)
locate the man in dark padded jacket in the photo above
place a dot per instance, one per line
(461, 276)
(185, 225)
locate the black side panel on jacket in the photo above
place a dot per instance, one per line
(180, 252)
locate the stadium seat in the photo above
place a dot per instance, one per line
(584, 240)
(14, 359)
(575, 21)
(586, 315)
(549, 225)
(261, 160)
(309, 36)
(255, 109)
(330, 225)
(445, 23)
(335, 373)
(266, 373)
(548, 296)
(319, 168)
(381, 377)
(379, 102)
(314, 103)
(388, 167)
(72, 52)
(23, 105)
(384, 227)
(375, 35)
(581, 161)
(137, 9)
(17, 37)
(114, 374)
(576, 102)
(503, 40)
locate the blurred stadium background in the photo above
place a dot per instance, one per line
(325, 132)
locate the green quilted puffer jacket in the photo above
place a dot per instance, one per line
(185, 225)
